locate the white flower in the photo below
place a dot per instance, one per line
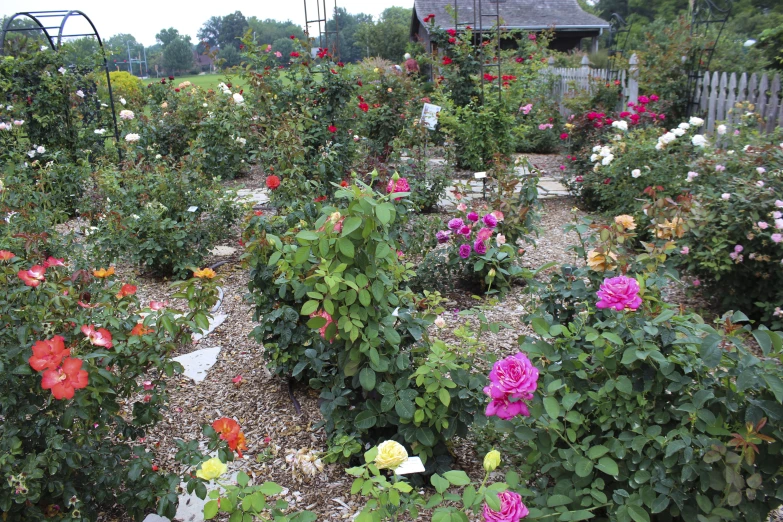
(131, 137)
(61, 70)
(127, 115)
(761, 170)
(699, 141)
(594, 157)
(607, 160)
(135, 216)
(204, 105)
(355, 137)
(104, 105)
(725, 196)
(598, 147)
(238, 99)
(620, 124)
(40, 149)
(691, 176)
(5, 126)
(44, 48)
(18, 123)
(684, 126)
(158, 156)
(730, 152)
(635, 173)
(605, 151)
(760, 184)
(659, 146)
(721, 129)
(678, 132)
(616, 137)
(122, 101)
(80, 93)
(440, 322)
(242, 141)
(100, 132)
(31, 153)
(745, 148)
(666, 139)
(696, 122)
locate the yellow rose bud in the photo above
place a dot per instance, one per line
(491, 460)
(492, 272)
(211, 469)
(391, 455)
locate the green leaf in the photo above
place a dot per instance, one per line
(439, 483)
(552, 407)
(443, 395)
(365, 420)
(307, 235)
(270, 488)
(583, 467)
(346, 246)
(210, 509)
(660, 503)
(384, 212)
(558, 500)
(405, 408)
(638, 514)
(310, 307)
(492, 499)
(351, 224)
(243, 479)
(608, 466)
(457, 477)
(367, 379)
(597, 451)
(541, 327)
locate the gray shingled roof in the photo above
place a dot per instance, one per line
(516, 14)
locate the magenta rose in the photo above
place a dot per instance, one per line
(511, 509)
(443, 236)
(455, 224)
(514, 376)
(505, 409)
(400, 186)
(620, 293)
(464, 251)
(473, 217)
(480, 247)
(490, 220)
(465, 231)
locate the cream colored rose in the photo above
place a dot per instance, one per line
(391, 455)
(211, 469)
(625, 221)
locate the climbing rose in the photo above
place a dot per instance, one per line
(511, 509)
(32, 277)
(620, 293)
(47, 355)
(464, 251)
(490, 220)
(64, 380)
(446, 60)
(272, 182)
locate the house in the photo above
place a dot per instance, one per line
(570, 23)
(203, 61)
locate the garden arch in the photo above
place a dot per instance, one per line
(59, 20)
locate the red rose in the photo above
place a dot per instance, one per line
(332, 129)
(520, 59)
(294, 54)
(171, 78)
(452, 40)
(452, 32)
(446, 60)
(272, 182)
(564, 136)
(176, 89)
(292, 37)
(340, 64)
(343, 183)
(607, 181)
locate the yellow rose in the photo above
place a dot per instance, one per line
(600, 262)
(491, 461)
(211, 469)
(391, 455)
(625, 221)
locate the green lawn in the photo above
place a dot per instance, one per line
(205, 81)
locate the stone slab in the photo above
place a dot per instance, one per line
(257, 196)
(214, 322)
(198, 363)
(223, 251)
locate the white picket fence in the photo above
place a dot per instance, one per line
(717, 92)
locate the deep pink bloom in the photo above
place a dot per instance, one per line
(654, 98)
(480, 247)
(513, 376)
(620, 293)
(484, 234)
(473, 216)
(464, 251)
(511, 509)
(490, 220)
(464, 230)
(455, 224)
(443, 236)
(400, 186)
(505, 409)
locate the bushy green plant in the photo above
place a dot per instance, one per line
(333, 310)
(165, 220)
(83, 368)
(125, 86)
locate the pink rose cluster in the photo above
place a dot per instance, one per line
(511, 509)
(515, 378)
(460, 229)
(400, 185)
(642, 111)
(620, 293)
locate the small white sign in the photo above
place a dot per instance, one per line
(412, 465)
(192, 209)
(480, 175)
(429, 115)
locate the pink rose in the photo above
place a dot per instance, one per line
(498, 215)
(484, 234)
(511, 509)
(514, 377)
(462, 207)
(620, 293)
(500, 239)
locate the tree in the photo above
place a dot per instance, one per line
(389, 37)
(210, 31)
(178, 55)
(232, 29)
(166, 36)
(230, 56)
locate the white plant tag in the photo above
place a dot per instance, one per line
(480, 175)
(192, 209)
(412, 465)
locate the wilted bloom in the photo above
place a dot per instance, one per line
(620, 293)
(440, 322)
(511, 509)
(498, 215)
(237, 381)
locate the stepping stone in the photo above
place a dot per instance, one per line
(214, 322)
(198, 363)
(223, 251)
(190, 507)
(256, 196)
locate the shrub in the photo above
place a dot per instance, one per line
(127, 86)
(164, 219)
(83, 374)
(333, 310)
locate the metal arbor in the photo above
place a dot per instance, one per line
(58, 20)
(479, 15)
(327, 39)
(619, 32)
(706, 15)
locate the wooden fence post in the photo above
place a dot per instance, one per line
(633, 79)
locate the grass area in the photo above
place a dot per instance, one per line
(205, 81)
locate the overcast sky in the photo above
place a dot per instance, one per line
(144, 18)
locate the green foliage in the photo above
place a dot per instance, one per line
(251, 501)
(178, 55)
(81, 454)
(165, 220)
(333, 310)
(127, 86)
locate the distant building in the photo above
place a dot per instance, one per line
(203, 62)
(570, 23)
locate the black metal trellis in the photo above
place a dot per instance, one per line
(325, 36)
(705, 15)
(55, 42)
(619, 32)
(478, 29)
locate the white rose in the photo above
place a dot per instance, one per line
(598, 147)
(620, 124)
(684, 126)
(131, 137)
(696, 122)
(122, 101)
(40, 149)
(99, 131)
(594, 157)
(721, 129)
(607, 160)
(635, 173)
(238, 99)
(699, 141)
(678, 132)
